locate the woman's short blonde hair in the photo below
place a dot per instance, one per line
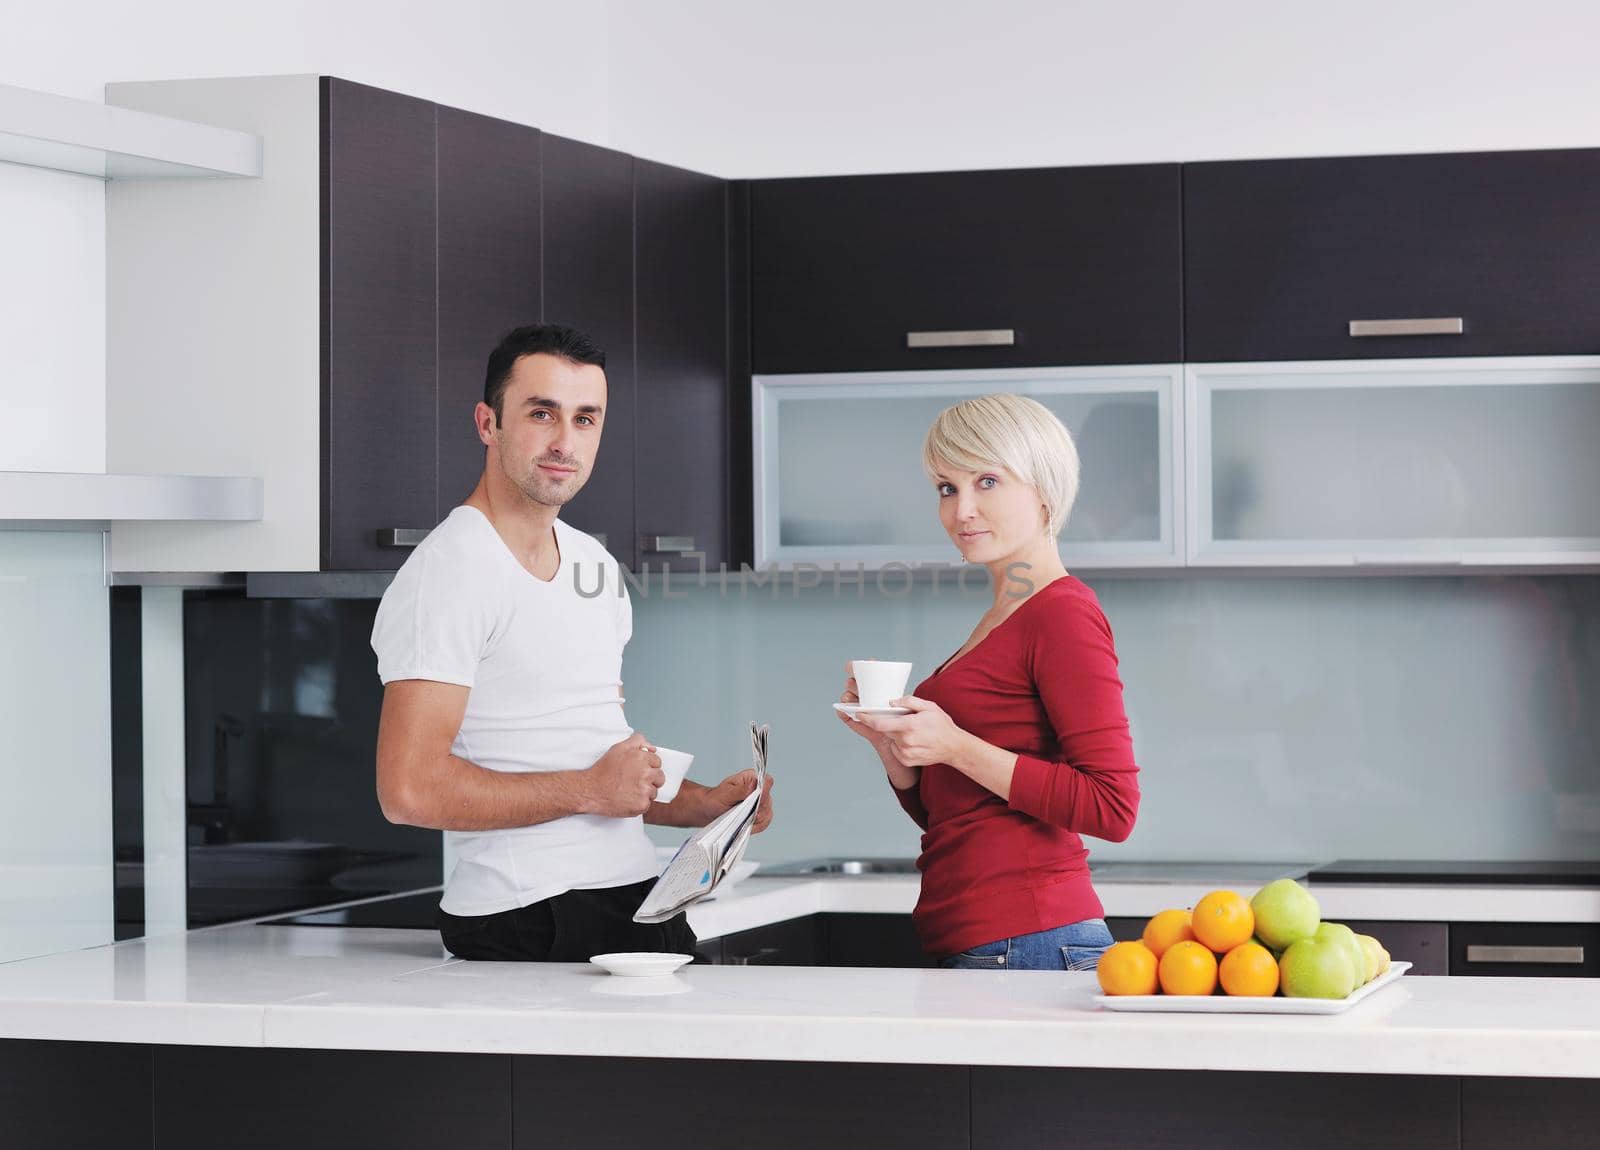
(1019, 434)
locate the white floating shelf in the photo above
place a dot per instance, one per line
(49, 131)
(59, 496)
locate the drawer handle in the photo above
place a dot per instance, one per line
(990, 337)
(402, 536)
(669, 542)
(1444, 325)
(1554, 955)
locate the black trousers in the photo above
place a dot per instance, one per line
(568, 927)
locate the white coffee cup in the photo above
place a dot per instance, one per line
(879, 683)
(675, 765)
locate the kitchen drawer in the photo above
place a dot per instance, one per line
(1034, 267)
(1280, 256)
(1524, 950)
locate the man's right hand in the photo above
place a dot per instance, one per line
(625, 780)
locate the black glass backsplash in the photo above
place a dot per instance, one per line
(281, 710)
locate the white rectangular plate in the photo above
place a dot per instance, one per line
(1225, 1004)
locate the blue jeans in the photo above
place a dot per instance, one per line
(1076, 946)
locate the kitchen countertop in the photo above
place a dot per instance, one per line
(759, 901)
(381, 989)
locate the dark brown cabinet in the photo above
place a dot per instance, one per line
(442, 230)
(1280, 256)
(588, 284)
(380, 344)
(683, 479)
(1525, 949)
(489, 274)
(1070, 265)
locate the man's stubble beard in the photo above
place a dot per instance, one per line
(545, 492)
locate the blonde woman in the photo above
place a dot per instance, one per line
(1018, 744)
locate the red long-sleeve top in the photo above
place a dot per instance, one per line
(1044, 684)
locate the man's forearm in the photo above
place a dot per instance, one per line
(458, 795)
(688, 808)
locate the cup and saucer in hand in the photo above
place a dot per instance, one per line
(877, 683)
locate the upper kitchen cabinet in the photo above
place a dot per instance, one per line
(380, 330)
(1489, 254)
(839, 479)
(489, 255)
(1033, 267)
(588, 284)
(682, 456)
(1395, 464)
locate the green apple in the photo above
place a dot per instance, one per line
(1377, 957)
(1285, 913)
(1317, 968)
(1347, 938)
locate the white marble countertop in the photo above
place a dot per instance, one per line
(759, 901)
(378, 989)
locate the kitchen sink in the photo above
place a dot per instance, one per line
(843, 868)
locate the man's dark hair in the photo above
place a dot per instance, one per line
(566, 343)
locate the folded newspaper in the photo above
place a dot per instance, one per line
(707, 856)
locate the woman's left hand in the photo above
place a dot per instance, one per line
(921, 739)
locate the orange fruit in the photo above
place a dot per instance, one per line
(1127, 968)
(1249, 971)
(1188, 967)
(1166, 928)
(1223, 920)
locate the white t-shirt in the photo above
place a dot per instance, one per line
(544, 664)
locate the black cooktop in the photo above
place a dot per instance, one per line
(1521, 872)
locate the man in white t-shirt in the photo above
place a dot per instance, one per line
(500, 648)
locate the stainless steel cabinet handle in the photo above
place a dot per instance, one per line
(669, 542)
(1443, 325)
(402, 536)
(1562, 955)
(989, 337)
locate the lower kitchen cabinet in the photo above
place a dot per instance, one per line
(1089, 1109)
(1550, 1113)
(627, 1103)
(822, 940)
(74, 1094)
(247, 1099)
(871, 940)
(797, 942)
(70, 1094)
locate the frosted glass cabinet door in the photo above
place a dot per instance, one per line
(1398, 463)
(838, 463)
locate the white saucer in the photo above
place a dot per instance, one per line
(854, 709)
(641, 964)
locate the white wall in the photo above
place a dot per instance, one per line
(831, 86)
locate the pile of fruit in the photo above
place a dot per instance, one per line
(1274, 943)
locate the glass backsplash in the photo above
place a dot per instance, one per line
(1274, 718)
(56, 876)
(281, 708)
